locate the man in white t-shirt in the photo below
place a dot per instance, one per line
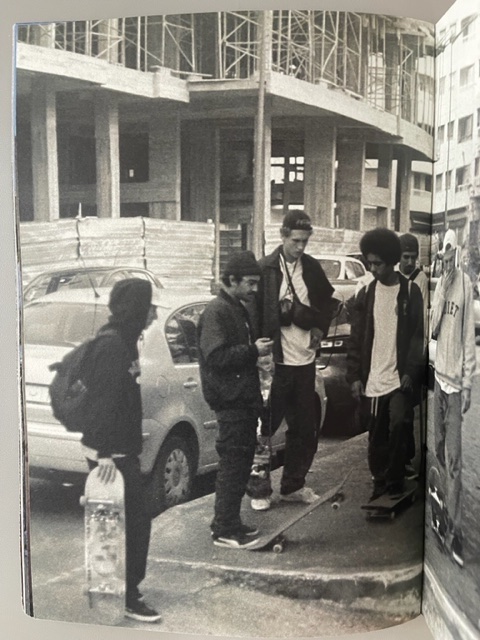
(385, 356)
(290, 273)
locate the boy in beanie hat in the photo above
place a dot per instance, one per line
(112, 437)
(290, 273)
(228, 369)
(408, 267)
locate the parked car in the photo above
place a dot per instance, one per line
(83, 277)
(343, 272)
(179, 427)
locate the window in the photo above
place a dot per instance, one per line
(465, 126)
(452, 80)
(134, 157)
(417, 181)
(428, 182)
(477, 167)
(439, 182)
(448, 179)
(441, 133)
(353, 270)
(462, 178)
(181, 334)
(466, 27)
(451, 129)
(466, 76)
(441, 85)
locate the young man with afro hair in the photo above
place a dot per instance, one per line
(385, 356)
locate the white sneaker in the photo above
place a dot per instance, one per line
(305, 494)
(260, 504)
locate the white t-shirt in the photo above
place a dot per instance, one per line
(383, 377)
(295, 341)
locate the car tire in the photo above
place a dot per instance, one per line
(170, 482)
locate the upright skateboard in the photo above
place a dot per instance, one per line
(105, 547)
(387, 506)
(275, 538)
(436, 498)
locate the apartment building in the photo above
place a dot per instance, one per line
(232, 117)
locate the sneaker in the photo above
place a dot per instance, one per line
(233, 541)
(260, 504)
(457, 550)
(246, 530)
(305, 494)
(379, 488)
(139, 610)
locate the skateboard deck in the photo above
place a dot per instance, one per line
(436, 498)
(387, 506)
(275, 537)
(105, 548)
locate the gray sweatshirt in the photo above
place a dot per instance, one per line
(452, 325)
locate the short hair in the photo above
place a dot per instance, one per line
(383, 243)
(295, 220)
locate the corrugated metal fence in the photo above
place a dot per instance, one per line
(179, 253)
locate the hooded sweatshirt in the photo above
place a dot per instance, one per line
(114, 424)
(454, 329)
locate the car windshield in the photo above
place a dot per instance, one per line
(62, 323)
(331, 268)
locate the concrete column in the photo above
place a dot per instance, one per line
(107, 156)
(319, 187)
(202, 178)
(44, 150)
(165, 167)
(392, 87)
(349, 180)
(385, 156)
(268, 161)
(403, 190)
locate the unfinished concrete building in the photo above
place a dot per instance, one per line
(229, 117)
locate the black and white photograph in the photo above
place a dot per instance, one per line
(248, 260)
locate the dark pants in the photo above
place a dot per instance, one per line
(387, 443)
(447, 417)
(137, 523)
(293, 398)
(236, 447)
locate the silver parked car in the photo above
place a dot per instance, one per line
(84, 277)
(179, 427)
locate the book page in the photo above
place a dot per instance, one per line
(451, 587)
(78, 217)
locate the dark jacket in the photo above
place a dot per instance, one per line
(410, 352)
(227, 357)
(319, 293)
(115, 405)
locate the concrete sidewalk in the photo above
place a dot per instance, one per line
(336, 555)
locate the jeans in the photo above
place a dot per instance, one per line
(235, 446)
(137, 523)
(293, 398)
(387, 442)
(447, 416)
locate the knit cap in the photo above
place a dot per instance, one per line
(409, 243)
(130, 299)
(242, 264)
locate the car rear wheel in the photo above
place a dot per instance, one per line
(170, 482)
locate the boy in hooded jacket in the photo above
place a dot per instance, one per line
(112, 436)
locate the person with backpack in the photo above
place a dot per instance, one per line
(112, 432)
(385, 356)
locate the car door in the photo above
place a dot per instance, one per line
(181, 337)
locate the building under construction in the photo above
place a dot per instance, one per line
(229, 117)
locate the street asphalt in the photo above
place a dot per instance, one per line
(335, 557)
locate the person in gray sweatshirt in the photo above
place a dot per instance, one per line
(452, 326)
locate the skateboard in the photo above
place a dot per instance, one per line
(105, 547)
(436, 497)
(387, 506)
(275, 538)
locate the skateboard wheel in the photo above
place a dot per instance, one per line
(82, 501)
(278, 547)
(335, 505)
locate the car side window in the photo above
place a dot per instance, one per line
(181, 334)
(354, 270)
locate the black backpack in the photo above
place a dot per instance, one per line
(68, 389)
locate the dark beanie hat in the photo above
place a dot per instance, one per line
(130, 300)
(242, 264)
(297, 220)
(409, 242)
